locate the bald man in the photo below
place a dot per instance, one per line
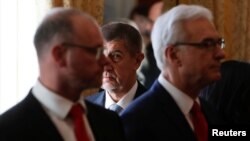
(69, 48)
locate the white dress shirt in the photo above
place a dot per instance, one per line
(58, 107)
(124, 101)
(183, 101)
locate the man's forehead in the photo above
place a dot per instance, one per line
(200, 29)
(115, 45)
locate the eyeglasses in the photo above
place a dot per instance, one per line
(206, 43)
(91, 50)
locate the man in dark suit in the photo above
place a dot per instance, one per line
(230, 95)
(69, 46)
(123, 45)
(188, 51)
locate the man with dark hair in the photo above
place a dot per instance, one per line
(230, 95)
(69, 47)
(123, 44)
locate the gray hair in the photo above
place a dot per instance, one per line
(168, 28)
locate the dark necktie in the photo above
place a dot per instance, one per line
(116, 108)
(76, 114)
(199, 122)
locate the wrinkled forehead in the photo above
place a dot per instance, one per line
(199, 29)
(115, 45)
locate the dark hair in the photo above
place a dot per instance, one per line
(230, 96)
(140, 9)
(57, 24)
(121, 31)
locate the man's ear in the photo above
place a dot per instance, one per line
(58, 53)
(139, 58)
(172, 55)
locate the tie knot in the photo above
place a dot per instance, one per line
(115, 107)
(76, 111)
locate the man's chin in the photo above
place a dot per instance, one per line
(216, 77)
(108, 86)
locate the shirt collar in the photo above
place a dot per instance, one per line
(183, 101)
(53, 102)
(125, 100)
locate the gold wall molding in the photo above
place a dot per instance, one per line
(93, 7)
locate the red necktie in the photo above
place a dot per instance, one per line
(199, 122)
(76, 114)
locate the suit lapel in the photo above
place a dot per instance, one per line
(97, 126)
(39, 120)
(91, 118)
(100, 100)
(140, 90)
(172, 111)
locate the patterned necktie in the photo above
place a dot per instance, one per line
(199, 122)
(115, 107)
(76, 114)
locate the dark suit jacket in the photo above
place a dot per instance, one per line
(156, 117)
(27, 121)
(99, 98)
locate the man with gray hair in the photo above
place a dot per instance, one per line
(188, 51)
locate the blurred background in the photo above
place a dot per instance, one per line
(19, 19)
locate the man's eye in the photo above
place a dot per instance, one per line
(116, 57)
(208, 43)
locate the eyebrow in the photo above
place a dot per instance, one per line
(114, 51)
